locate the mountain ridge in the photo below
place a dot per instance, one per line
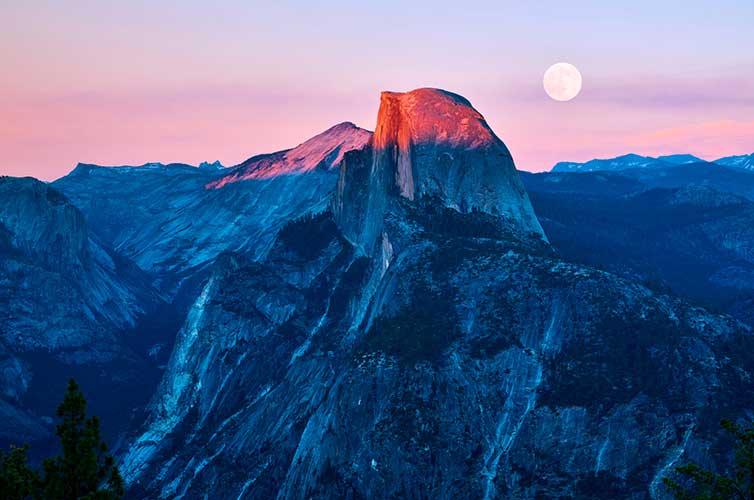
(632, 161)
(324, 150)
(183, 217)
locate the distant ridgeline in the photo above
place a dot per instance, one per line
(634, 161)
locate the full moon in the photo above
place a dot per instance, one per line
(562, 81)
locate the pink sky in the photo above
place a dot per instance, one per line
(189, 82)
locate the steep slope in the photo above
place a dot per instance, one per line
(465, 368)
(175, 220)
(67, 304)
(425, 349)
(323, 151)
(42, 228)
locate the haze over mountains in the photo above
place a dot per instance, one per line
(397, 313)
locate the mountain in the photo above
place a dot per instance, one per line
(323, 151)
(673, 171)
(600, 183)
(693, 240)
(625, 162)
(717, 177)
(68, 304)
(421, 338)
(634, 161)
(429, 143)
(215, 165)
(745, 162)
(680, 159)
(174, 220)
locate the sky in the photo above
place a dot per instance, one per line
(190, 81)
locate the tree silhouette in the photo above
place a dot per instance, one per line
(702, 484)
(17, 480)
(84, 471)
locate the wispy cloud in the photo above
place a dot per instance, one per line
(708, 140)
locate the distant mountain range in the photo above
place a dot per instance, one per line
(634, 161)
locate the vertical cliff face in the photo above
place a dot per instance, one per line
(433, 143)
(44, 224)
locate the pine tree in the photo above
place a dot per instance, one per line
(17, 480)
(702, 484)
(84, 471)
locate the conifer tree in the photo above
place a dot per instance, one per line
(17, 480)
(84, 470)
(698, 483)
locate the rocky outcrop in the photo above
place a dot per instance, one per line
(429, 143)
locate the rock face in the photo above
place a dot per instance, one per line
(471, 365)
(408, 346)
(67, 304)
(429, 143)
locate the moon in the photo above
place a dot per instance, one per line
(562, 81)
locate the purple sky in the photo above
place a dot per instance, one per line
(189, 81)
